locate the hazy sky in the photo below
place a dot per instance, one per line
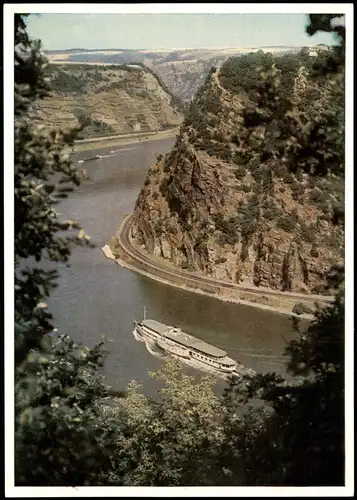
(167, 31)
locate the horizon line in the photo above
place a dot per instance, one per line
(181, 48)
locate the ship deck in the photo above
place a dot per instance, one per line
(184, 339)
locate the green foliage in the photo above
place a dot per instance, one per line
(304, 52)
(39, 233)
(288, 178)
(228, 228)
(172, 441)
(248, 216)
(244, 224)
(94, 128)
(297, 438)
(317, 197)
(56, 438)
(270, 210)
(292, 120)
(240, 158)
(299, 442)
(59, 440)
(159, 157)
(286, 222)
(66, 82)
(247, 225)
(223, 151)
(240, 73)
(338, 214)
(308, 232)
(297, 190)
(212, 103)
(247, 188)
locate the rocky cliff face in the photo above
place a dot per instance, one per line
(112, 99)
(184, 78)
(241, 197)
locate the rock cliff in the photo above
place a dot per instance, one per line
(253, 190)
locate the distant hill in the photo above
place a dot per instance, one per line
(182, 70)
(113, 100)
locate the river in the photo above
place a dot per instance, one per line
(96, 296)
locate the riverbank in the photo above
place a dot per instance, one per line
(123, 262)
(122, 140)
(124, 251)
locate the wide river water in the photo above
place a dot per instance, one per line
(96, 296)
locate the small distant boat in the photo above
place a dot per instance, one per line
(178, 343)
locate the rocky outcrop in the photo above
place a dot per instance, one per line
(206, 208)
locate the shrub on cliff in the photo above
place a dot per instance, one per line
(317, 197)
(308, 232)
(286, 222)
(240, 173)
(271, 211)
(228, 228)
(297, 190)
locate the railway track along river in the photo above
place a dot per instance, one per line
(130, 255)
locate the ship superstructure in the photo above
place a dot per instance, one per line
(174, 341)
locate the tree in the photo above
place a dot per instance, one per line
(300, 442)
(304, 52)
(173, 440)
(56, 438)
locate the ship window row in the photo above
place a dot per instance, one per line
(203, 356)
(207, 356)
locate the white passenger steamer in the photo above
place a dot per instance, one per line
(174, 341)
